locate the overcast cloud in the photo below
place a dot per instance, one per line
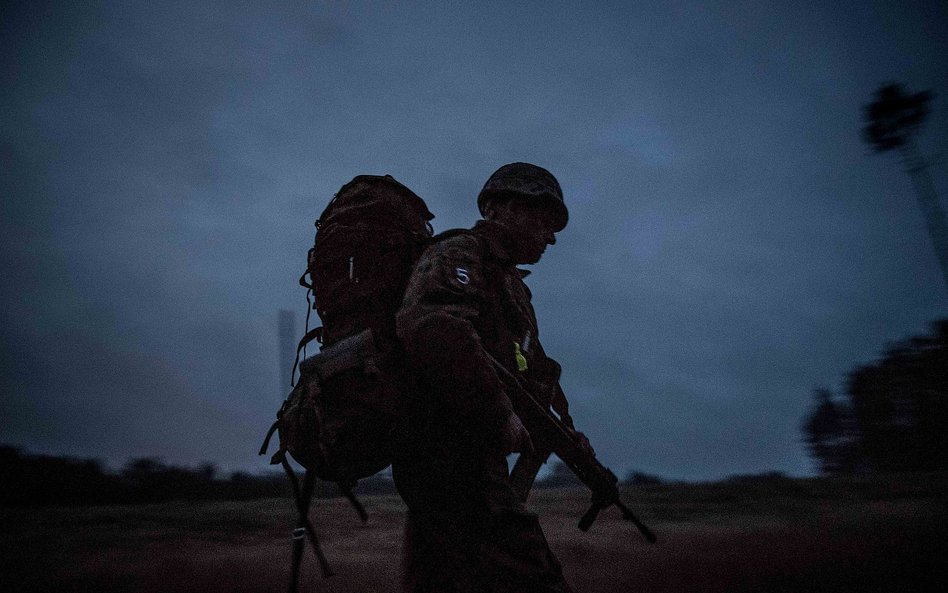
(732, 243)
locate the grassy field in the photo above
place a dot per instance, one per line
(872, 533)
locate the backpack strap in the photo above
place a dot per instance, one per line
(356, 504)
(266, 441)
(314, 334)
(304, 528)
(303, 281)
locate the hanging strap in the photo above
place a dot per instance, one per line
(314, 334)
(266, 440)
(356, 504)
(304, 528)
(309, 258)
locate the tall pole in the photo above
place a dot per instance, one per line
(892, 120)
(917, 168)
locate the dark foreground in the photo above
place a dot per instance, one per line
(766, 535)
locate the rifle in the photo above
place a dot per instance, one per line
(554, 435)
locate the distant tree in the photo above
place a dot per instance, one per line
(829, 435)
(896, 416)
(900, 404)
(42, 480)
(37, 480)
(637, 478)
(892, 119)
(143, 467)
(207, 470)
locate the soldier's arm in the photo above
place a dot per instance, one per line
(436, 327)
(561, 406)
(547, 378)
(548, 394)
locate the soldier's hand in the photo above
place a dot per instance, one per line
(516, 436)
(584, 443)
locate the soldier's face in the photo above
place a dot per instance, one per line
(531, 227)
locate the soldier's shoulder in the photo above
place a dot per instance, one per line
(454, 258)
(454, 244)
(456, 237)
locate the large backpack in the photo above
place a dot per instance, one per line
(341, 418)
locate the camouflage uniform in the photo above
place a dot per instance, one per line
(467, 529)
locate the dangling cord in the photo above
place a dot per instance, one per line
(347, 492)
(309, 310)
(296, 363)
(299, 534)
(304, 527)
(309, 484)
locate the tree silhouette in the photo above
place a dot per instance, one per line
(829, 434)
(896, 414)
(900, 404)
(42, 480)
(892, 119)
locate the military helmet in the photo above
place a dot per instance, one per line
(526, 181)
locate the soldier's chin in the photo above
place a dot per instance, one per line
(530, 258)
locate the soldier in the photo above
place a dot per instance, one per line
(467, 308)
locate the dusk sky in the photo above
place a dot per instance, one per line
(733, 244)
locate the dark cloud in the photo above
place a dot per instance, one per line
(732, 242)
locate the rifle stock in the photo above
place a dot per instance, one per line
(553, 434)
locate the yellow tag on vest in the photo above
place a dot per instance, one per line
(521, 359)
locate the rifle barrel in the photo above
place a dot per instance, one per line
(628, 515)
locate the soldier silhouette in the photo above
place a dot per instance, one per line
(467, 308)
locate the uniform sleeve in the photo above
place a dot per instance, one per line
(547, 379)
(437, 327)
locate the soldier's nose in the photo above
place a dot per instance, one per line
(551, 238)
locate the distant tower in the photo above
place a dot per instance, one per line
(287, 334)
(892, 119)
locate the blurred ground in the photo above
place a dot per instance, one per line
(765, 534)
